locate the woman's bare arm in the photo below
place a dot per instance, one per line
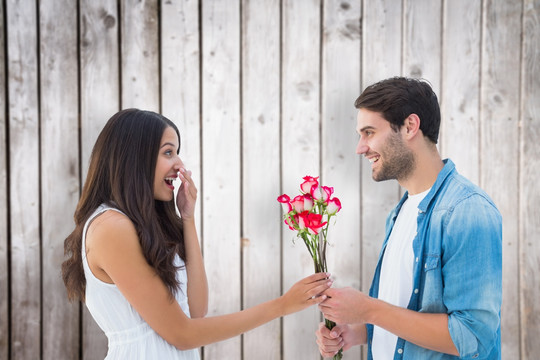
(114, 249)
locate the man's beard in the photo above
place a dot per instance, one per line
(398, 160)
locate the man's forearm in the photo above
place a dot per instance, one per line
(429, 331)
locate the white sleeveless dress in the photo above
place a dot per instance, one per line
(129, 336)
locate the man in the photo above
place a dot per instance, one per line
(437, 288)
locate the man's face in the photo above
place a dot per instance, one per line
(385, 149)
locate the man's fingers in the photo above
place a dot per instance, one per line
(329, 346)
(329, 341)
(331, 292)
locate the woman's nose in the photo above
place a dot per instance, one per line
(178, 164)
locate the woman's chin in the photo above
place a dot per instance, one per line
(164, 197)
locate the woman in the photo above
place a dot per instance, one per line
(137, 264)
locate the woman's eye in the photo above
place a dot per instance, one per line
(168, 152)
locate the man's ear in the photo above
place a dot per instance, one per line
(411, 125)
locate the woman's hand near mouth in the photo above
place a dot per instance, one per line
(187, 195)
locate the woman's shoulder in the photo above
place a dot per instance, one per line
(112, 228)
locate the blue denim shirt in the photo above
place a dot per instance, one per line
(457, 269)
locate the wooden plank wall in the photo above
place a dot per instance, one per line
(262, 92)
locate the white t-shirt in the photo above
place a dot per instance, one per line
(396, 280)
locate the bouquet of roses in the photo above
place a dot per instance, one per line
(309, 214)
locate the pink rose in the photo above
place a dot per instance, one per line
(298, 204)
(309, 182)
(285, 201)
(322, 193)
(334, 205)
(289, 222)
(301, 218)
(308, 202)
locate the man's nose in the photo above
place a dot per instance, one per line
(361, 148)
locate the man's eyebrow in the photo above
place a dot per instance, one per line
(365, 128)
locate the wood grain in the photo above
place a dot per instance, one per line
(139, 54)
(461, 86)
(24, 194)
(422, 46)
(221, 163)
(261, 228)
(529, 261)
(4, 245)
(59, 170)
(499, 144)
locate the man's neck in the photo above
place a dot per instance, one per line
(428, 165)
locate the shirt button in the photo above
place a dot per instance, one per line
(416, 291)
(416, 259)
(400, 351)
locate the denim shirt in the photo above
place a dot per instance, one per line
(457, 268)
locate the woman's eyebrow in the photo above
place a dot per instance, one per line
(167, 143)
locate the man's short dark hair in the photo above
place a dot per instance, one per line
(398, 97)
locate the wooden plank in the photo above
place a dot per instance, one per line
(59, 170)
(221, 181)
(24, 179)
(300, 153)
(422, 41)
(140, 54)
(261, 249)
(4, 245)
(529, 189)
(500, 115)
(99, 101)
(381, 59)
(341, 59)
(460, 86)
(180, 81)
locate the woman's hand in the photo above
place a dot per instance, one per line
(306, 292)
(187, 195)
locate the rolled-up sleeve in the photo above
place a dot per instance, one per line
(472, 273)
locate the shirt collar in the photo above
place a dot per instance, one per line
(448, 168)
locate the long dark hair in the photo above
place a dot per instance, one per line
(121, 174)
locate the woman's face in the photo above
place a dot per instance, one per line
(167, 166)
